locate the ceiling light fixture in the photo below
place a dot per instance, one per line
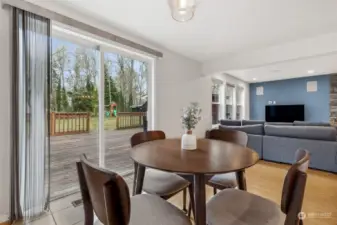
(182, 10)
(311, 71)
(254, 78)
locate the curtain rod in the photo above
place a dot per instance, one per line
(27, 6)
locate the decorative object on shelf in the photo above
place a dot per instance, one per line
(182, 10)
(190, 118)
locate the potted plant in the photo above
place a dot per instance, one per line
(190, 118)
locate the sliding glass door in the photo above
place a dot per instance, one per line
(99, 99)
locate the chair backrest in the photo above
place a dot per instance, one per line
(294, 187)
(233, 136)
(142, 137)
(103, 192)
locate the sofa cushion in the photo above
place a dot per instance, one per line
(255, 143)
(282, 149)
(252, 122)
(279, 123)
(257, 129)
(301, 132)
(306, 123)
(230, 122)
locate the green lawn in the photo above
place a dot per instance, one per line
(109, 123)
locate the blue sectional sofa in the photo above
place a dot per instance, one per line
(278, 142)
(255, 135)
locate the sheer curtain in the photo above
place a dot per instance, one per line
(30, 153)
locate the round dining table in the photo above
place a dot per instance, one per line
(210, 157)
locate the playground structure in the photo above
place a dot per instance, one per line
(112, 110)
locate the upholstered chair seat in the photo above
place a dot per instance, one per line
(223, 181)
(151, 209)
(236, 207)
(163, 183)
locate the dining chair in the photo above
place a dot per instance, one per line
(163, 184)
(228, 180)
(232, 206)
(106, 194)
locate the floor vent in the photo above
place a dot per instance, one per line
(77, 203)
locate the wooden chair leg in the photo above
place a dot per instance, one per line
(140, 179)
(87, 204)
(214, 191)
(184, 200)
(191, 204)
(134, 178)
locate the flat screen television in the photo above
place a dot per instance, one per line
(284, 113)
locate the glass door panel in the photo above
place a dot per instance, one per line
(99, 100)
(74, 112)
(125, 108)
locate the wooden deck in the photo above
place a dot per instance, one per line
(66, 150)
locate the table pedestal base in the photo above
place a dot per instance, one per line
(199, 199)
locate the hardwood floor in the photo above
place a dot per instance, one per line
(5, 223)
(266, 179)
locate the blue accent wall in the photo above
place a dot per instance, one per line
(293, 91)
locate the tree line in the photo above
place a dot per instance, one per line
(75, 81)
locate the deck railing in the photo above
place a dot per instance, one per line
(129, 120)
(62, 123)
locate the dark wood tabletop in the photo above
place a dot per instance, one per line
(211, 157)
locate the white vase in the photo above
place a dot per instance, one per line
(189, 141)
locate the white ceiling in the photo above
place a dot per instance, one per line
(319, 65)
(219, 26)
